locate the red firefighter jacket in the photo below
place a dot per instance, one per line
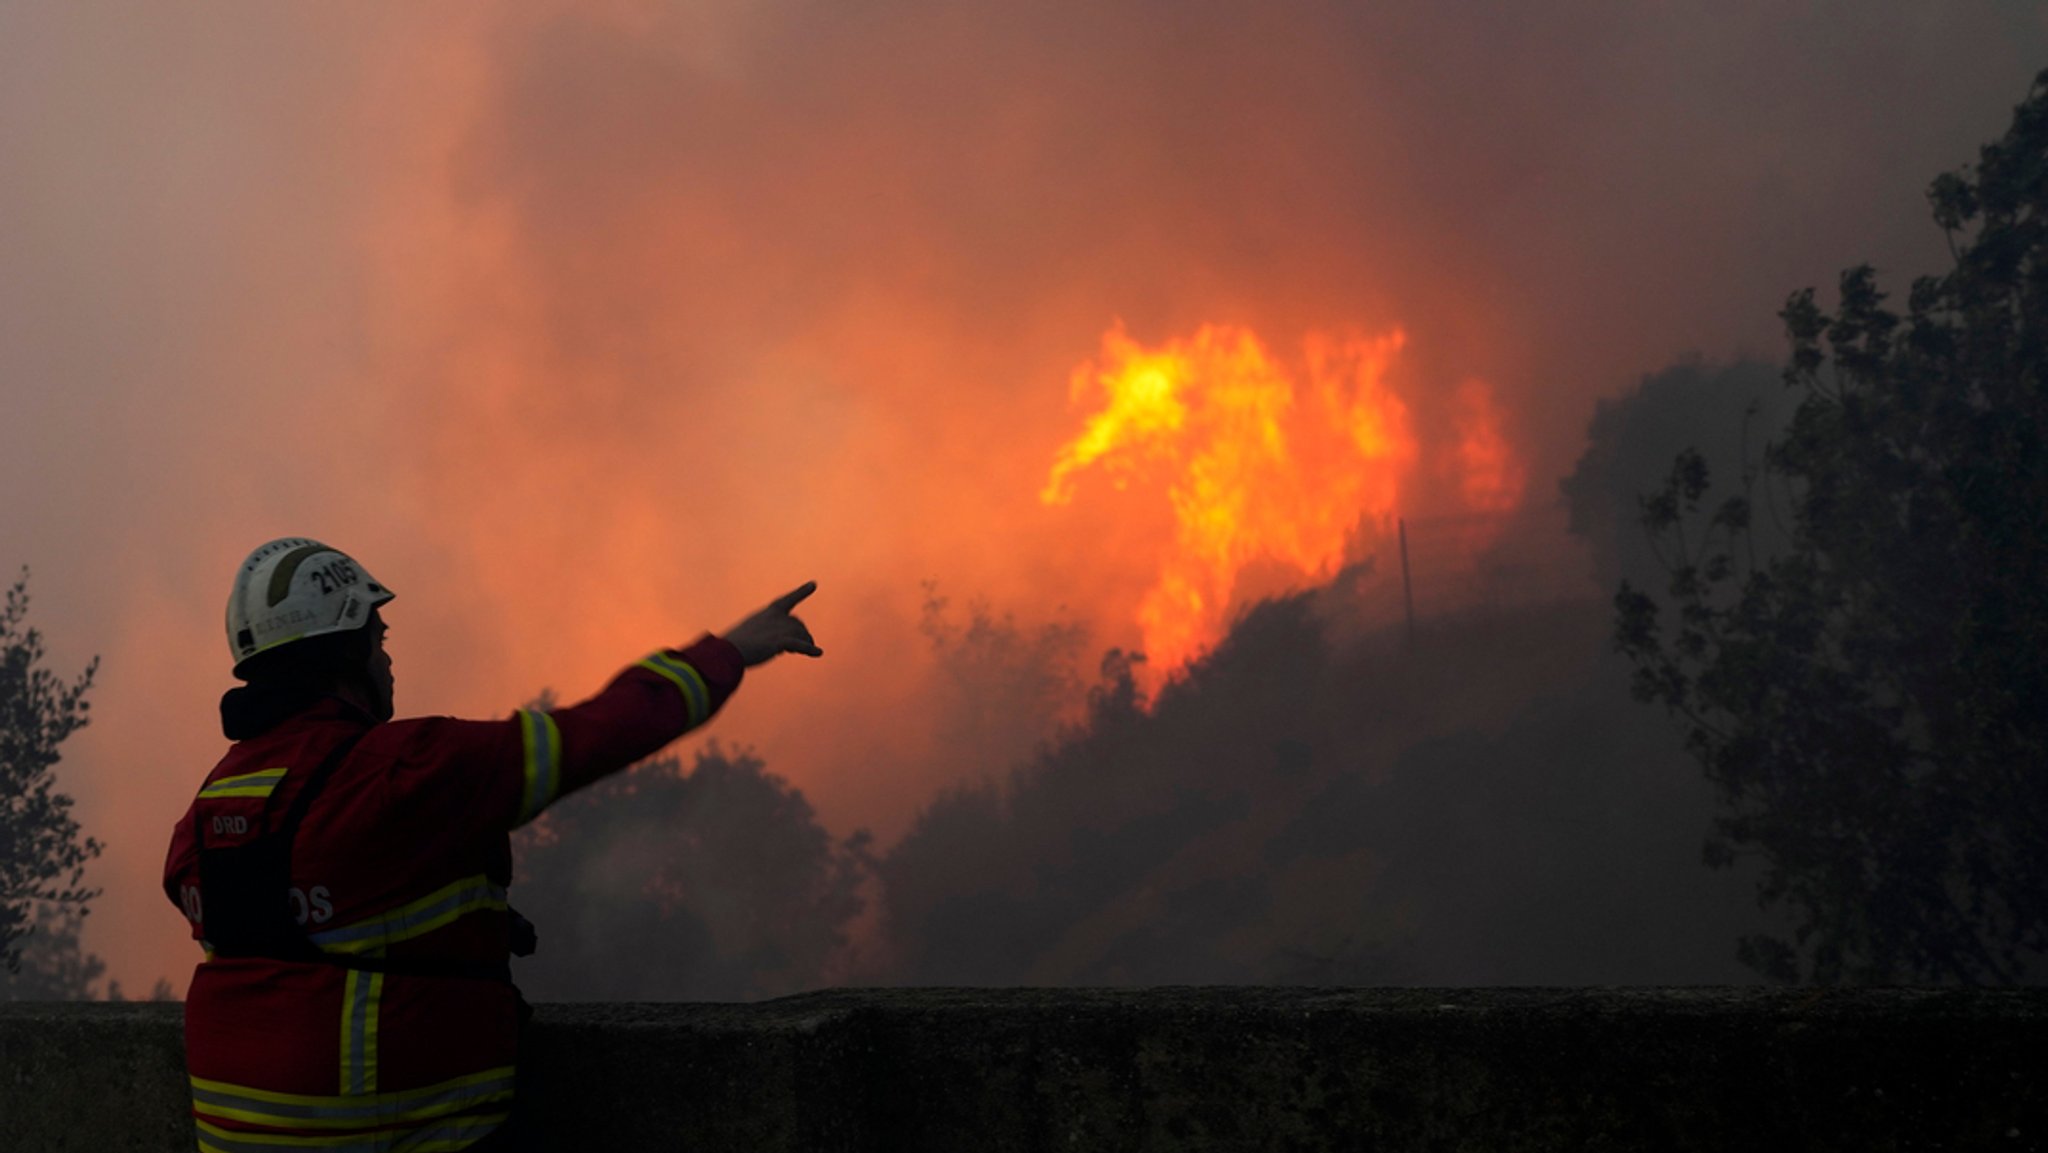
(403, 857)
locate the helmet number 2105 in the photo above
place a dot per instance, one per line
(333, 575)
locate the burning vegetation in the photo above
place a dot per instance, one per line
(1294, 467)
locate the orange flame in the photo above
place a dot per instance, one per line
(1260, 464)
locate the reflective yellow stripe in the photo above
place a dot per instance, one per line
(370, 1048)
(257, 784)
(352, 992)
(696, 695)
(456, 1133)
(433, 1137)
(360, 1001)
(215, 1139)
(440, 907)
(543, 744)
(299, 1111)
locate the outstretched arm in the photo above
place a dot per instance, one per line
(540, 756)
(619, 726)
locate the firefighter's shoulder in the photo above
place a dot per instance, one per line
(468, 763)
(426, 744)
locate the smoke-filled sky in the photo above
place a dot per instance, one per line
(587, 327)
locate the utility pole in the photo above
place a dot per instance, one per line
(1407, 585)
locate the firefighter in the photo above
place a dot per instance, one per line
(346, 873)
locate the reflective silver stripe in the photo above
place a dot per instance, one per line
(696, 696)
(359, 1032)
(455, 1133)
(436, 909)
(437, 1137)
(542, 741)
(378, 1108)
(214, 1139)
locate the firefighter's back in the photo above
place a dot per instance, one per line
(398, 870)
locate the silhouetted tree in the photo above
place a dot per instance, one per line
(42, 855)
(656, 884)
(51, 965)
(1872, 704)
(1725, 412)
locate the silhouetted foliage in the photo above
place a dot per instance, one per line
(999, 687)
(51, 965)
(42, 855)
(656, 884)
(1726, 413)
(1483, 806)
(1872, 704)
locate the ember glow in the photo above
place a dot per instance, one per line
(1294, 465)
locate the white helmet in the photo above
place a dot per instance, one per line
(294, 588)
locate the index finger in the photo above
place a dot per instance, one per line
(793, 597)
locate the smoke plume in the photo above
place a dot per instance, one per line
(587, 327)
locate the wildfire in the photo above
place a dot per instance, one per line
(1261, 461)
(1257, 463)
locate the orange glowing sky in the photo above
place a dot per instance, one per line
(587, 327)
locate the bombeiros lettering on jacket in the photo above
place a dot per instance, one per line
(315, 903)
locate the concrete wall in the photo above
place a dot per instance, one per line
(959, 1070)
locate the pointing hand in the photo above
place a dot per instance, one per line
(774, 631)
